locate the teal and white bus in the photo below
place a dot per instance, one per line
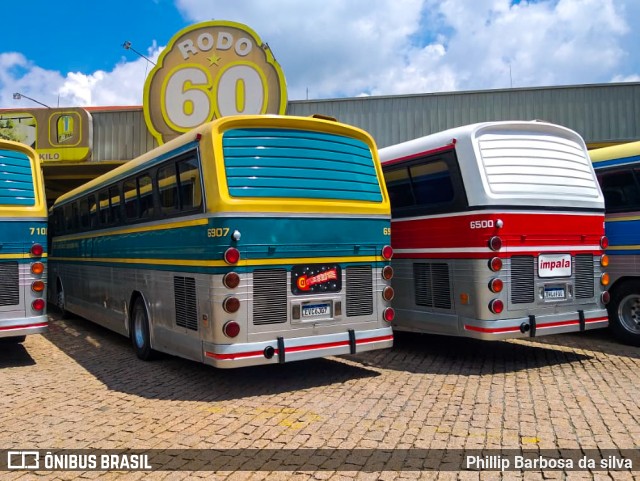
(249, 240)
(618, 171)
(23, 243)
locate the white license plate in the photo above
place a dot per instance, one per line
(554, 293)
(316, 310)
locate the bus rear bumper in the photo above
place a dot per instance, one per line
(296, 349)
(535, 326)
(23, 326)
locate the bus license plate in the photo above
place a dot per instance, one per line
(551, 293)
(316, 310)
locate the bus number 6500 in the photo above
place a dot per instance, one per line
(481, 224)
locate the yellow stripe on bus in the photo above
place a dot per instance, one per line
(623, 248)
(22, 256)
(135, 230)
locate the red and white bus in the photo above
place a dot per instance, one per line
(497, 231)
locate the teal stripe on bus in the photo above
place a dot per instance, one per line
(16, 180)
(261, 238)
(205, 269)
(17, 236)
(284, 163)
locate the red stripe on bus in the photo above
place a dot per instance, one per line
(234, 355)
(444, 148)
(492, 330)
(519, 230)
(13, 328)
(311, 347)
(485, 255)
(498, 330)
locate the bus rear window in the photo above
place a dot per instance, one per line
(16, 179)
(287, 163)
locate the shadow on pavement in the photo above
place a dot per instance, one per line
(14, 355)
(423, 353)
(598, 340)
(110, 358)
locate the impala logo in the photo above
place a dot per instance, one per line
(551, 265)
(554, 265)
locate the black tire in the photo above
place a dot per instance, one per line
(140, 337)
(13, 339)
(624, 313)
(60, 302)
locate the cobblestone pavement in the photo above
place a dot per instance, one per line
(80, 386)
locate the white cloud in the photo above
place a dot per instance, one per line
(333, 48)
(122, 86)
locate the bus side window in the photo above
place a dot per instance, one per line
(431, 183)
(145, 193)
(105, 210)
(130, 192)
(114, 202)
(84, 213)
(75, 216)
(93, 211)
(168, 188)
(399, 187)
(68, 218)
(620, 191)
(189, 181)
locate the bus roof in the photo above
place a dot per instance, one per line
(624, 153)
(205, 130)
(513, 163)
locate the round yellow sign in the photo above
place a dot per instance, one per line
(210, 70)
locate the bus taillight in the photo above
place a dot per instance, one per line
(495, 243)
(604, 279)
(387, 252)
(37, 286)
(495, 264)
(388, 293)
(389, 314)
(38, 304)
(604, 242)
(231, 304)
(604, 260)
(37, 268)
(231, 280)
(232, 255)
(37, 250)
(496, 306)
(231, 329)
(387, 273)
(496, 285)
(605, 297)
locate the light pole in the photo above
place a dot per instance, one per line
(127, 46)
(18, 96)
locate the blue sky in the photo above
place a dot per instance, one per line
(85, 36)
(70, 53)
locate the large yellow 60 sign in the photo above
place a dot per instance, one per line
(208, 71)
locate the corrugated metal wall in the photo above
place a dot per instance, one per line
(120, 134)
(600, 113)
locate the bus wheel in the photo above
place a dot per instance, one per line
(624, 313)
(60, 301)
(140, 331)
